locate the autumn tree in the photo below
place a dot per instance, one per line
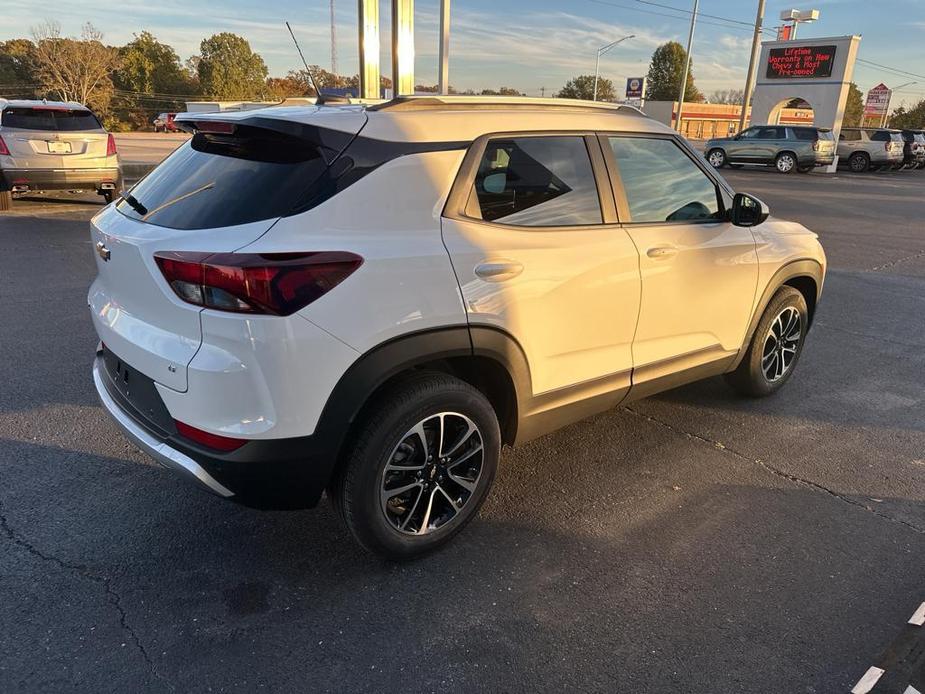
(582, 87)
(17, 67)
(229, 69)
(74, 69)
(665, 73)
(726, 96)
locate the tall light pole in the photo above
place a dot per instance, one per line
(443, 79)
(687, 65)
(601, 51)
(752, 61)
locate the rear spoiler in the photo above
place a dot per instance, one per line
(330, 142)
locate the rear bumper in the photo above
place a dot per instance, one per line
(265, 473)
(60, 179)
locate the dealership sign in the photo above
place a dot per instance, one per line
(801, 62)
(635, 87)
(878, 101)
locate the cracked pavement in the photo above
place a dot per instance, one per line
(693, 542)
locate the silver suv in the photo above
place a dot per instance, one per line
(786, 148)
(870, 148)
(53, 145)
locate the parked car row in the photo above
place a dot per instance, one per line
(803, 148)
(54, 145)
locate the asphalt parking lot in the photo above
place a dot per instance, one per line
(692, 542)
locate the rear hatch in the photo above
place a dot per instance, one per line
(216, 193)
(53, 137)
(825, 144)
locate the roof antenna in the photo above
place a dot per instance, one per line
(322, 98)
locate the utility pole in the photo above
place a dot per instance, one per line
(443, 81)
(333, 42)
(687, 65)
(752, 61)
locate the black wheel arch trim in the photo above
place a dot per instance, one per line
(786, 273)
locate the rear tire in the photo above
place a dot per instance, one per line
(775, 348)
(437, 438)
(785, 162)
(6, 200)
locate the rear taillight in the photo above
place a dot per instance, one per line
(3, 148)
(889, 146)
(110, 146)
(815, 145)
(216, 442)
(276, 283)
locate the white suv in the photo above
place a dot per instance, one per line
(371, 300)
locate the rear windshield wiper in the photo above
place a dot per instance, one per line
(134, 204)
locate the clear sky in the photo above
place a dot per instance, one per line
(526, 44)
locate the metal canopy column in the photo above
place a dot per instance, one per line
(368, 22)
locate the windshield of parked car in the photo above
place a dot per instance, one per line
(52, 118)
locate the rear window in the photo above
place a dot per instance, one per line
(217, 180)
(826, 135)
(49, 118)
(884, 136)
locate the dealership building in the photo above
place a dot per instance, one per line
(703, 121)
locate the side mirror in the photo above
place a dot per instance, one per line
(748, 211)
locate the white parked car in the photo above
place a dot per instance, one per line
(373, 300)
(52, 146)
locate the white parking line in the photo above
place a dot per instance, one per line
(918, 617)
(867, 682)
(911, 690)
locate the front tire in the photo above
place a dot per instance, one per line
(424, 460)
(717, 158)
(775, 348)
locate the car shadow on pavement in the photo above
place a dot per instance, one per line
(614, 556)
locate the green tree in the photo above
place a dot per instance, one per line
(148, 66)
(854, 107)
(229, 69)
(912, 118)
(665, 71)
(582, 87)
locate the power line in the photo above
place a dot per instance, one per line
(891, 69)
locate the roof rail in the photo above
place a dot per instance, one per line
(425, 103)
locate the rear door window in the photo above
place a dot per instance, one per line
(218, 180)
(536, 182)
(49, 118)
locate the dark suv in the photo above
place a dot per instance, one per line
(785, 147)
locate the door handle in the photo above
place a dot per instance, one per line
(662, 252)
(498, 270)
